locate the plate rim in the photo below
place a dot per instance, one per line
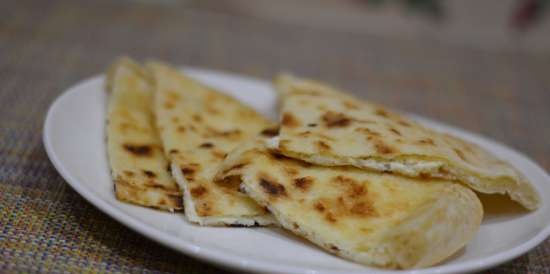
(217, 257)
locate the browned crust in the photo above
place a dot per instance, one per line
(150, 197)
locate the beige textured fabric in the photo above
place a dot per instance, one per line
(138, 165)
(368, 217)
(198, 127)
(323, 125)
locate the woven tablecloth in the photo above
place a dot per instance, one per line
(46, 46)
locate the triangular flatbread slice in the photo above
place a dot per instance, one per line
(372, 218)
(198, 127)
(138, 165)
(325, 126)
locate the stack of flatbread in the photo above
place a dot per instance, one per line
(353, 177)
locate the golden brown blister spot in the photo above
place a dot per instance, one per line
(168, 105)
(289, 120)
(367, 131)
(312, 125)
(350, 105)
(319, 206)
(366, 230)
(291, 171)
(189, 171)
(198, 191)
(335, 119)
(325, 137)
(206, 145)
(153, 184)
(334, 248)
(271, 187)
(139, 150)
(362, 209)
(424, 175)
(128, 173)
(212, 110)
(204, 209)
(283, 144)
(404, 123)
(381, 112)
(173, 151)
(426, 141)
(127, 126)
(270, 132)
(172, 95)
(236, 167)
(303, 91)
(180, 129)
(323, 146)
(460, 154)
(231, 133)
(330, 217)
(218, 154)
(305, 133)
(395, 131)
(303, 183)
(197, 118)
(274, 155)
(149, 173)
(382, 148)
(295, 226)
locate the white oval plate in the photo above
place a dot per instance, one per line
(74, 140)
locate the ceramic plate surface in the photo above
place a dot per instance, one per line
(74, 137)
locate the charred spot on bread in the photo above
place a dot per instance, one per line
(270, 132)
(139, 150)
(277, 155)
(189, 171)
(334, 248)
(303, 183)
(271, 187)
(149, 174)
(206, 145)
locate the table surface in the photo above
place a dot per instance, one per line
(46, 46)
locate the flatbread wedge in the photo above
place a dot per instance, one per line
(198, 127)
(372, 218)
(138, 165)
(323, 125)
